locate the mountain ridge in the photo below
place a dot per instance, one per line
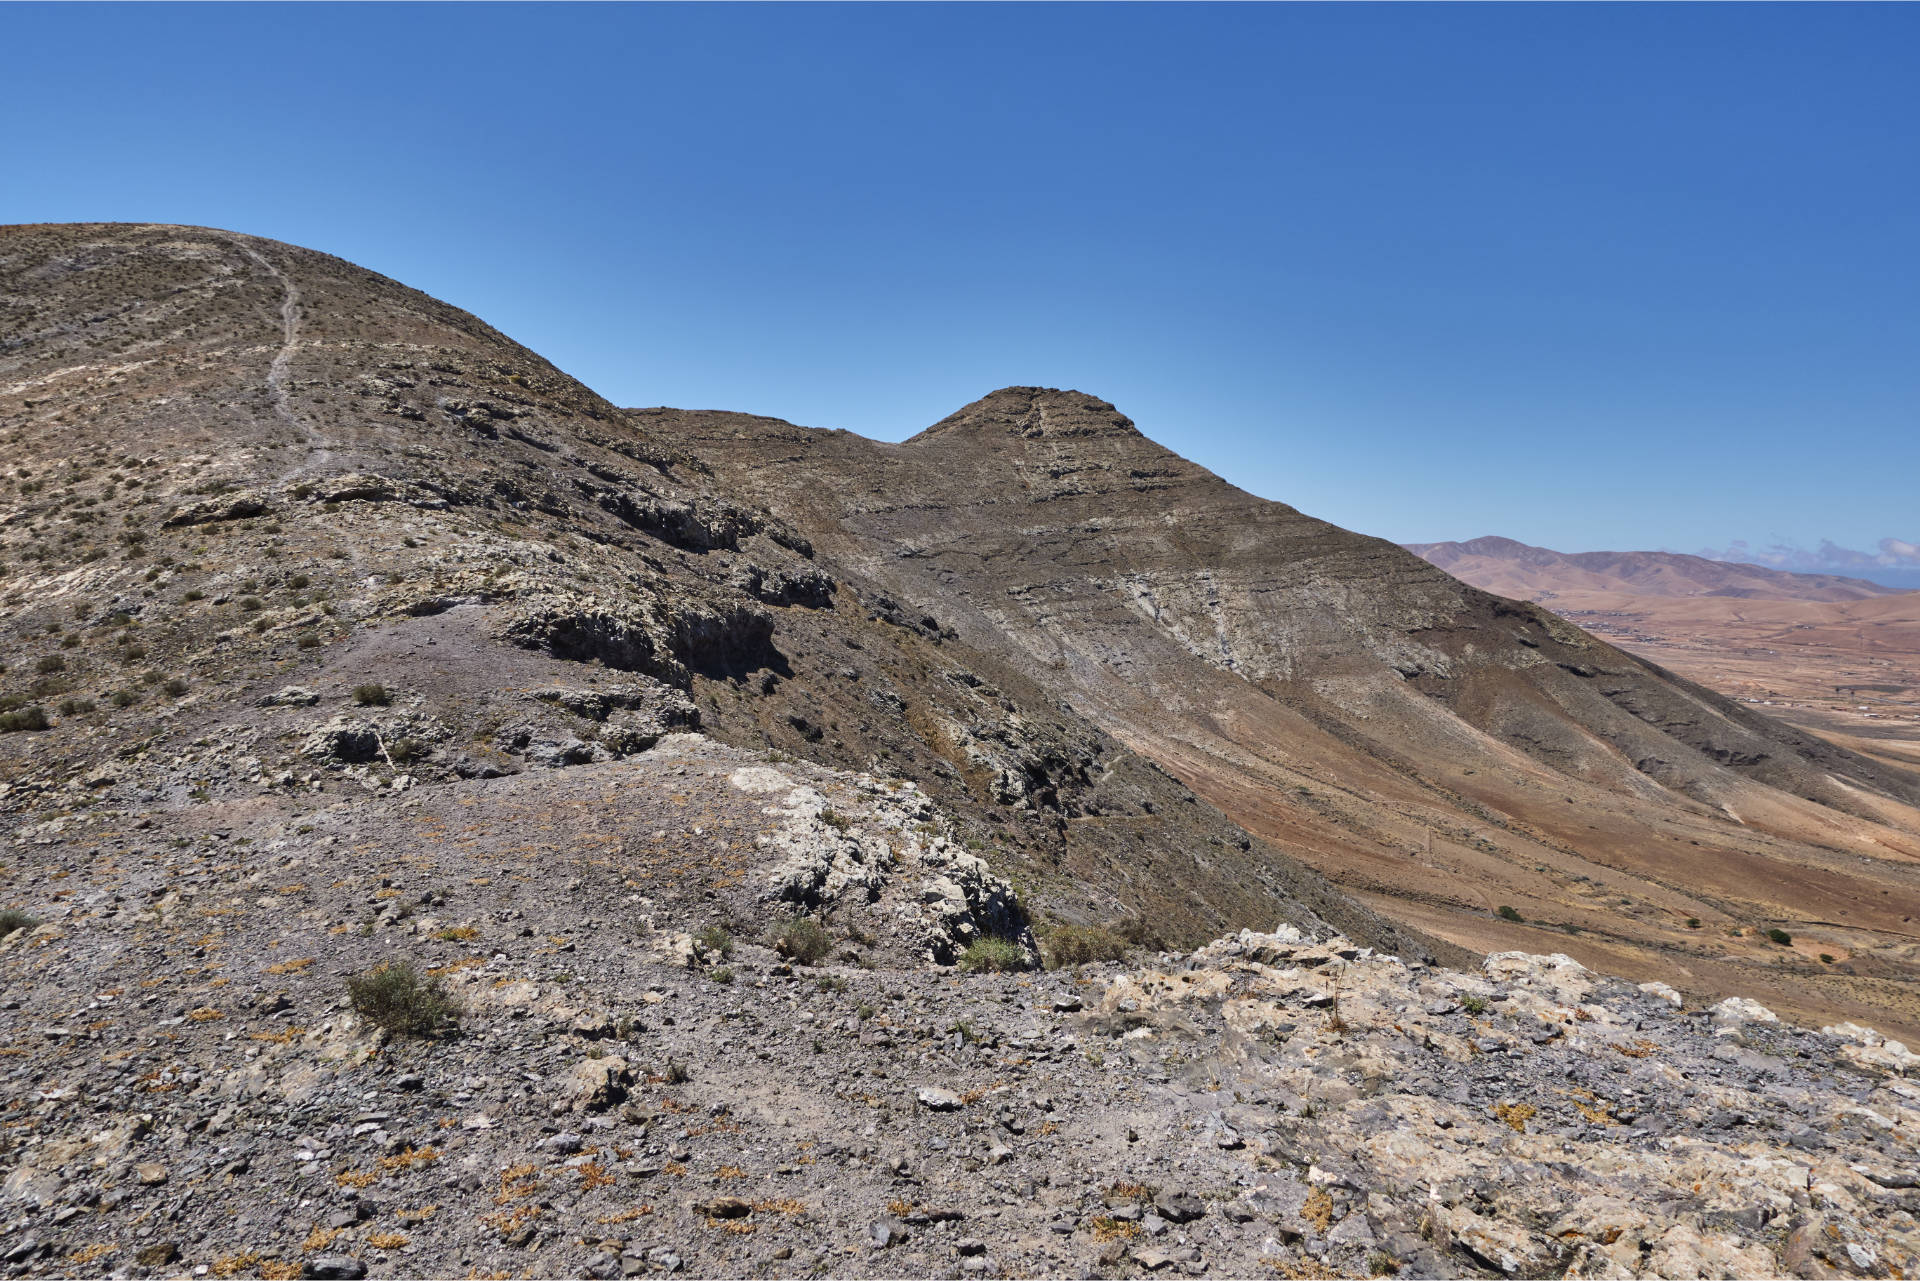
(1538, 573)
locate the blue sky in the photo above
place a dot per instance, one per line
(1587, 276)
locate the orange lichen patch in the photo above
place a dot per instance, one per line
(386, 1240)
(457, 934)
(234, 1264)
(594, 1175)
(626, 1216)
(205, 1014)
(780, 1205)
(319, 1239)
(285, 1036)
(517, 1182)
(507, 1222)
(1591, 1107)
(410, 1158)
(355, 1178)
(290, 967)
(1318, 1209)
(423, 1213)
(1515, 1115)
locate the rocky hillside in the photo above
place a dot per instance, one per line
(234, 466)
(456, 827)
(1539, 573)
(1442, 752)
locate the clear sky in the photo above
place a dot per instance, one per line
(1587, 276)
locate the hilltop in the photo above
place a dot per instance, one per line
(1539, 573)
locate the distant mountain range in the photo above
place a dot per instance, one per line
(1522, 572)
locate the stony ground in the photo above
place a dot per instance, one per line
(189, 1089)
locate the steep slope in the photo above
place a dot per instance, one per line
(1538, 573)
(248, 485)
(1439, 750)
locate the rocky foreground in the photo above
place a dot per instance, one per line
(634, 1088)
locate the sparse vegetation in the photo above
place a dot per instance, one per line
(802, 941)
(371, 695)
(24, 718)
(49, 664)
(1506, 913)
(715, 941)
(1474, 1004)
(1071, 945)
(398, 997)
(1781, 937)
(993, 956)
(13, 918)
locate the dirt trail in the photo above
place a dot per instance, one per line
(319, 450)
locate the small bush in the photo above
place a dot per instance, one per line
(173, 687)
(1826, 958)
(133, 653)
(24, 718)
(193, 593)
(371, 695)
(49, 664)
(123, 698)
(14, 919)
(399, 998)
(75, 706)
(309, 641)
(408, 750)
(723, 975)
(298, 581)
(1780, 936)
(802, 941)
(1693, 922)
(1474, 1004)
(1072, 945)
(1506, 913)
(715, 940)
(251, 603)
(830, 983)
(993, 956)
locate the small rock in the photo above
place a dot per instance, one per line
(150, 1173)
(334, 1267)
(935, 1099)
(724, 1207)
(888, 1232)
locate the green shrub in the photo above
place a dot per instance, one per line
(298, 581)
(123, 697)
(1693, 922)
(1474, 1004)
(194, 593)
(993, 955)
(722, 976)
(1780, 936)
(1826, 958)
(14, 919)
(715, 940)
(408, 750)
(75, 706)
(251, 603)
(173, 687)
(1071, 945)
(399, 998)
(1506, 913)
(309, 641)
(24, 718)
(49, 664)
(371, 695)
(802, 941)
